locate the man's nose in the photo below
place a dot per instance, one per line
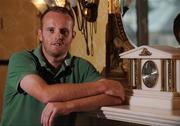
(58, 35)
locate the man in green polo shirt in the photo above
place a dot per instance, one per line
(48, 85)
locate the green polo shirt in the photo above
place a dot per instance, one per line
(21, 109)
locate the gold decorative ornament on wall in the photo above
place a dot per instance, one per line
(86, 13)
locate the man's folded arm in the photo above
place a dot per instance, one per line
(35, 86)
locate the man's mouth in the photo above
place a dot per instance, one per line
(57, 44)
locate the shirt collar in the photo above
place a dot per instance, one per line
(67, 62)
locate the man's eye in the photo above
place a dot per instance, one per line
(51, 30)
(64, 32)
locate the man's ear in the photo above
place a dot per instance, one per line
(40, 34)
(73, 34)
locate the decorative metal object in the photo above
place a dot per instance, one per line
(145, 52)
(171, 75)
(137, 72)
(86, 14)
(116, 41)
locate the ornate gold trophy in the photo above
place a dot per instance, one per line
(116, 42)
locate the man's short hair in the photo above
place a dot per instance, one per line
(176, 27)
(62, 10)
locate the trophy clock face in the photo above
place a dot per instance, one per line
(150, 74)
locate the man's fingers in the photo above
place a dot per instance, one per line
(42, 117)
(46, 115)
(116, 93)
(51, 118)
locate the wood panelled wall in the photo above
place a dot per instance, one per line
(17, 32)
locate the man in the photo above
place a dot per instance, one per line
(47, 85)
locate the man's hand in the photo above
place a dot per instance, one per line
(113, 88)
(51, 110)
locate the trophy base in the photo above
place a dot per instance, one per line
(155, 99)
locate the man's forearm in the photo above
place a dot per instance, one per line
(66, 92)
(39, 89)
(92, 103)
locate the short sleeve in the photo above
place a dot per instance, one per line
(20, 64)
